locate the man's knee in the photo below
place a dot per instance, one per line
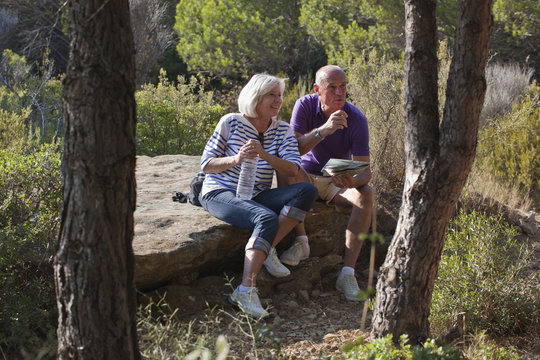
(366, 196)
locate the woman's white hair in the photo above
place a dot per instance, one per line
(251, 94)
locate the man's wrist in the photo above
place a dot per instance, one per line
(318, 134)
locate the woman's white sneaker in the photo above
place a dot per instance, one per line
(248, 302)
(274, 266)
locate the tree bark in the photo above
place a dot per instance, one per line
(94, 264)
(439, 159)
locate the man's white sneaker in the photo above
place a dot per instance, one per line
(248, 302)
(349, 287)
(274, 266)
(297, 252)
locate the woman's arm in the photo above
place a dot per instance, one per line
(219, 164)
(284, 167)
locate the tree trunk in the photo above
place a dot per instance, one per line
(94, 263)
(439, 159)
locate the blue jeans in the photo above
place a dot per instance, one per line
(261, 214)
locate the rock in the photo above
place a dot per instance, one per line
(176, 243)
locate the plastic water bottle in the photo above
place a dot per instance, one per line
(246, 181)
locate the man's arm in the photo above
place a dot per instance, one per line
(336, 121)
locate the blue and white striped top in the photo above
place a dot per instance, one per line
(231, 133)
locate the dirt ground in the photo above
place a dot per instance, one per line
(317, 323)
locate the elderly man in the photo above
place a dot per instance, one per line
(327, 126)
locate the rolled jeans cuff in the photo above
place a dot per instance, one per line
(293, 213)
(257, 242)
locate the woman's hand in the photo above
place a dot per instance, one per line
(250, 150)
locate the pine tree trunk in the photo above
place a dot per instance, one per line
(439, 159)
(94, 263)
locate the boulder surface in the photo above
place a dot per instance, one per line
(176, 243)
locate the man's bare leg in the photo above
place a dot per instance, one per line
(361, 201)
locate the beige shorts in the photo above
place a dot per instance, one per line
(327, 189)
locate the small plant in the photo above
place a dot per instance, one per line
(480, 347)
(161, 336)
(386, 349)
(483, 274)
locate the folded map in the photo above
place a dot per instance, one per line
(336, 167)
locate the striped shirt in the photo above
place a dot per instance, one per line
(231, 133)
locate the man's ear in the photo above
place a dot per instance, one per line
(316, 88)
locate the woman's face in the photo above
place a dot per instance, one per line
(270, 103)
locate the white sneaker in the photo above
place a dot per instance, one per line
(274, 266)
(297, 252)
(349, 287)
(249, 303)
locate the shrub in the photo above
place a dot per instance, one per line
(375, 86)
(480, 347)
(483, 276)
(13, 134)
(174, 119)
(37, 96)
(506, 84)
(509, 147)
(385, 349)
(30, 201)
(293, 92)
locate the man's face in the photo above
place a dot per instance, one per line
(332, 91)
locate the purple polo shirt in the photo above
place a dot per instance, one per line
(353, 140)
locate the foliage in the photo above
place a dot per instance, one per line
(151, 36)
(174, 119)
(507, 83)
(294, 91)
(386, 349)
(30, 201)
(41, 94)
(37, 30)
(483, 276)
(376, 87)
(13, 135)
(480, 347)
(235, 38)
(520, 18)
(346, 29)
(509, 147)
(163, 336)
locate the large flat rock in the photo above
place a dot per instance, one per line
(176, 243)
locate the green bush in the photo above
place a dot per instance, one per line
(35, 93)
(483, 276)
(30, 202)
(385, 349)
(375, 86)
(509, 147)
(174, 119)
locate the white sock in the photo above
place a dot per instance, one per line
(303, 239)
(346, 270)
(243, 288)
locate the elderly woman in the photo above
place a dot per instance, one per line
(271, 213)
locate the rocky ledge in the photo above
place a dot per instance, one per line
(176, 243)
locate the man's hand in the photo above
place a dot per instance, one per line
(336, 121)
(345, 181)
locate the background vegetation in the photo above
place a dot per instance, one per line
(192, 58)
